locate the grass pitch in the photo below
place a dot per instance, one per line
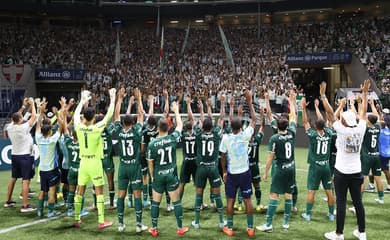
(377, 216)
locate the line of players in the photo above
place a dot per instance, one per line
(200, 159)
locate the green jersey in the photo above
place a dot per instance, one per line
(282, 144)
(370, 140)
(162, 151)
(207, 145)
(149, 134)
(129, 143)
(253, 148)
(189, 145)
(107, 140)
(73, 152)
(320, 146)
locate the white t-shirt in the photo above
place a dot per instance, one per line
(348, 143)
(22, 142)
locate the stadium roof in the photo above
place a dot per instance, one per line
(172, 7)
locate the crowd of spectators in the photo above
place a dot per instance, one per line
(202, 70)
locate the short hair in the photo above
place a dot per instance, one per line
(45, 129)
(285, 115)
(319, 124)
(282, 124)
(16, 117)
(46, 121)
(89, 113)
(188, 125)
(236, 124)
(152, 120)
(207, 124)
(129, 120)
(163, 125)
(372, 118)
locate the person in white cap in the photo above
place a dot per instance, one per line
(347, 173)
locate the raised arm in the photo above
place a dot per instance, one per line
(262, 117)
(179, 123)
(208, 103)
(316, 107)
(151, 107)
(364, 88)
(306, 123)
(42, 110)
(249, 101)
(85, 96)
(32, 119)
(131, 102)
(340, 108)
(268, 107)
(231, 108)
(222, 112)
(201, 110)
(166, 102)
(373, 107)
(140, 108)
(117, 111)
(292, 103)
(24, 106)
(189, 110)
(110, 110)
(328, 109)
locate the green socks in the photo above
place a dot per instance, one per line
(178, 210)
(230, 222)
(287, 210)
(154, 212)
(51, 207)
(145, 191)
(381, 195)
(331, 209)
(112, 195)
(100, 208)
(40, 207)
(309, 207)
(258, 196)
(249, 220)
(295, 196)
(120, 204)
(138, 210)
(198, 203)
(70, 200)
(271, 211)
(219, 204)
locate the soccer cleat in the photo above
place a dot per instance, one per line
(387, 190)
(265, 228)
(153, 232)
(38, 180)
(83, 213)
(305, 216)
(182, 231)
(259, 207)
(333, 236)
(77, 224)
(70, 213)
(28, 197)
(330, 217)
(286, 226)
(212, 205)
(359, 235)
(53, 214)
(250, 232)
(111, 208)
(121, 227)
(352, 210)
(228, 231)
(146, 203)
(31, 192)
(222, 224)
(104, 225)
(59, 205)
(240, 208)
(325, 199)
(235, 206)
(59, 195)
(380, 201)
(9, 204)
(294, 209)
(370, 188)
(140, 228)
(195, 225)
(40, 213)
(169, 208)
(203, 206)
(28, 208)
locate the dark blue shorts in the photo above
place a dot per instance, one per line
(22, 166)
(49, 179)
(385, 163)
(242, 181)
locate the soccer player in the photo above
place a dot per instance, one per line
(236, 169)
(48, 165)
(253, 154)
(369, 153)
(207, 140)
(188, 167)
(22, 160)
(281, 152)
(129, 171)
(347, 175)
(149, 133)
(161, 157)
(91, 154)
(318, 158)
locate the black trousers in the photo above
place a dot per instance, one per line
(343, 183)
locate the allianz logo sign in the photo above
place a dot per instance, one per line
(49, 74)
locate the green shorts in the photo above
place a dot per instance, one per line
(207, 172)
(108, 165)
(318, 174)
(283, 181)
(72, 176)
(168, 182)
(255, 172)
(371, 162)
(188, 169)
(129, 175)
(144, 166)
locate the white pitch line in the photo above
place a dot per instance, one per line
(28, 224)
